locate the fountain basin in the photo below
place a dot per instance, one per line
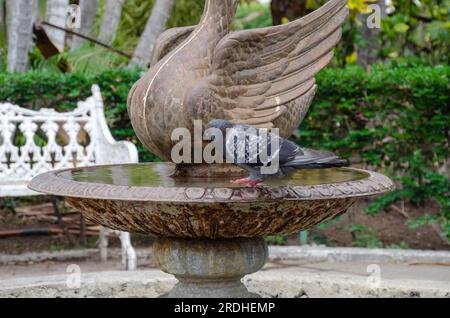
(145, 198)
(209, 231)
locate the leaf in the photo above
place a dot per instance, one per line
(352, 58)
(393, 55)
(285, 20)
(401, 27)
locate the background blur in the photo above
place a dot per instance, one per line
(383, 102)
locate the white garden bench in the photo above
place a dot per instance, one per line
(65, 145)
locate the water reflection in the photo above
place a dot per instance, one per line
(159, 175)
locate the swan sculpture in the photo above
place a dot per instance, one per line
(261, 77)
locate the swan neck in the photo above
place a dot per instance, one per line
(220, 12)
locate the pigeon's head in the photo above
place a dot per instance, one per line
(220, 124)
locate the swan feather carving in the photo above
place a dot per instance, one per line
(263, 77)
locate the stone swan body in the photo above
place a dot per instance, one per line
(262, 77)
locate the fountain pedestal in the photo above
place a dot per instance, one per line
(210, 231)
(210, 268)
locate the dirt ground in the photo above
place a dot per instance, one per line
(386, 229)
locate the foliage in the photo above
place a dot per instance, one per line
(401, 246)
(136, 13)
(252, 15)
(88, 60)
(91, 59)
(276, 240)
(411, 28)
(417, 28)
(394, 119)
(363, 237)
(367, 237)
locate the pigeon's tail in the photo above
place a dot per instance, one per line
(314, 159)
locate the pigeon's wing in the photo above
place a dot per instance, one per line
(250, 145)
(169, 40)
(313, 159)
(288, 150)
(256, 72)
(310, 156)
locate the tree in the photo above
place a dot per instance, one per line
(2, 14)
(290, 9)
(88, 10)
(156, 24)
(57, 15)
(21, 15)
(367, 50)
(110, 20)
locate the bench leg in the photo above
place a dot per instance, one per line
(129, 259)
(128, 253)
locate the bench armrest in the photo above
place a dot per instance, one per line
(110, 151)
(123, 152)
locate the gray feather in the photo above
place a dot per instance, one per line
(246, 144)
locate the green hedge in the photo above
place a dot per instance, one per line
(395, 120)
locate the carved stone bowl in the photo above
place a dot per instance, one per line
(149, 199)
(209, 230)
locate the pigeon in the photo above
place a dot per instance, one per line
(256, 148)
(263, 77)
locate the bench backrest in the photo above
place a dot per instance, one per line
(33, 142)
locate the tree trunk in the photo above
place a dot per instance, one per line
(290, 9)
(156, 24)
(110, 21)
(57, 15)
(88, 12)
(21, 15)
(368, 50)
(2, 20)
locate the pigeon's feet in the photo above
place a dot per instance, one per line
(240, 181)
(248, 182)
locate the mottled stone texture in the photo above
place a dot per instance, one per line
(262, 77)
(203, 211)
(210, 220)
(200, 190)
(210, 268)
(210, 237)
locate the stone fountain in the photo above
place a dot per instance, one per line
(210, 232)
